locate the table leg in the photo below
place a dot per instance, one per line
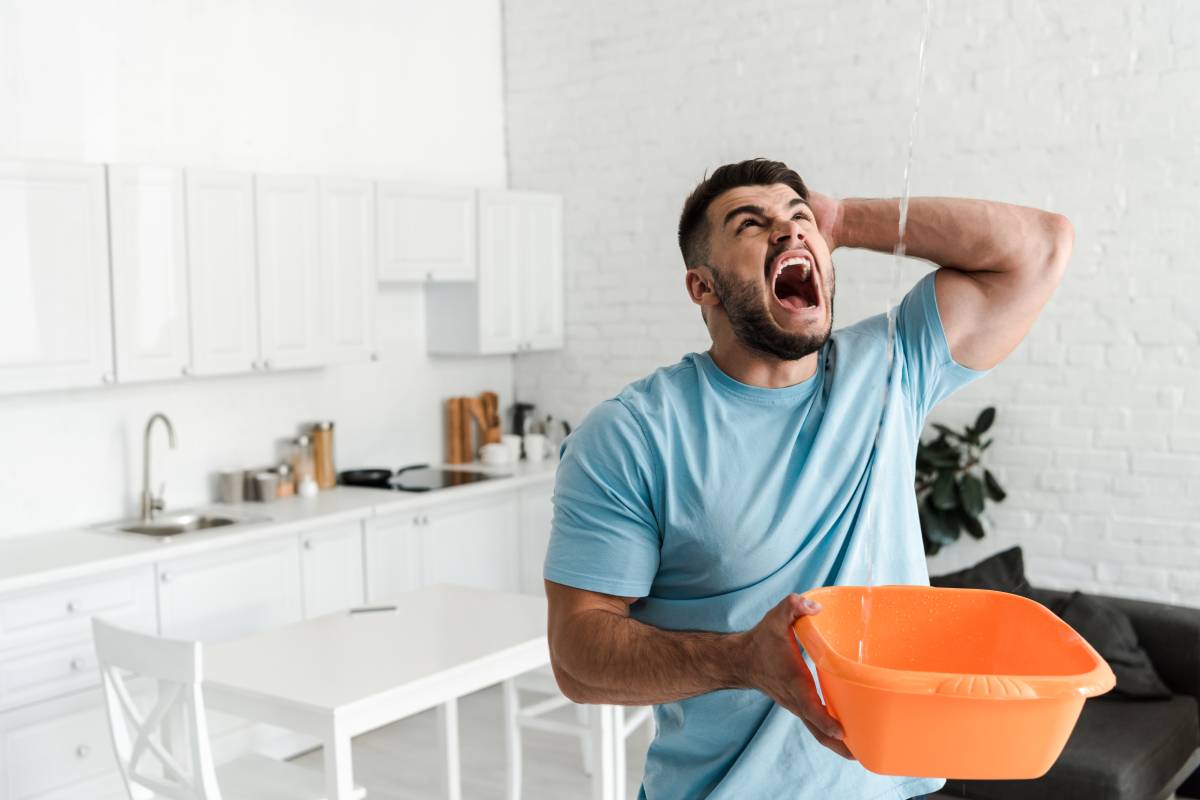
(603, 723)
(448, 723)
(339, 766)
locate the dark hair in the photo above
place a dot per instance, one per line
(693, 222)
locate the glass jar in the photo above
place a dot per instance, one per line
(303, 469)
(287, 485)
(322, 439)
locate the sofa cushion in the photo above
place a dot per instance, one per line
(1118, 751)
(1002, 572)
(1109, 630)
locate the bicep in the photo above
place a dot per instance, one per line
(987, 313)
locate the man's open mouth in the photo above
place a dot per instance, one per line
(794, 280)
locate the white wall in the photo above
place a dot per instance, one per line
(1084, 108)
(346, 87)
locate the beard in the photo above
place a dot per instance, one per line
(754, 326)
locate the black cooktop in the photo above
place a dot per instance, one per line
(416, 478)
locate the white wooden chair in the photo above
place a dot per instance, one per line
(533, 716)
(164, 751)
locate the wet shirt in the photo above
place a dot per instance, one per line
(710, 500)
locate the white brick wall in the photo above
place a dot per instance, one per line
(1090, 109)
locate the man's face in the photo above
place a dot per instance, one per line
(771, 270)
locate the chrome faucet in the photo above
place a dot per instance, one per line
(150, 503)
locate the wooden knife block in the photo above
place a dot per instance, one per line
(466, 415)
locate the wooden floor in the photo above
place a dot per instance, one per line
(403, 761)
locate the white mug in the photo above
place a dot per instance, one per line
(535, 447)
(513, 443)
(494, 454)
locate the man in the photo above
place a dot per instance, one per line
(692, 509)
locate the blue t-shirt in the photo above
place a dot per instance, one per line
(711, 500)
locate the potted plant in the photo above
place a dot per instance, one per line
(952, 485)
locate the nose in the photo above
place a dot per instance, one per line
(787, 231)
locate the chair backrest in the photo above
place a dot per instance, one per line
(163, 748)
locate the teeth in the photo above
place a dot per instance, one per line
(796, 261)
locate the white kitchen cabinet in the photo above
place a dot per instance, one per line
(472, 543)
(331, 569)
(516, 304)
(222, 277)
(347, 266)
(230, 593)
(541, 248)
(59, 750)
(290, 291)
(55, 318)
(392, 553)
(535, 516)
(425, 233)
(149, 273)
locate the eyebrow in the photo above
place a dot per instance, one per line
(758, 210)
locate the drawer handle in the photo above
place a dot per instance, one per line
(83, 751)
(72, 607)
(77, 664)
(308, 544)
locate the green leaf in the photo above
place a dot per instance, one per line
(994, 489)
(972, 524)
(986, 445)
(984, 420)
(946, 431)
(943, 492)
(970, 491)
(939, 526)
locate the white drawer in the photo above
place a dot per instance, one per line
(57, 754)
(47, 672)
(65, 610)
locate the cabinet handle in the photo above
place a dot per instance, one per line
(308, 544)
(166, 577)
(267, 364)
(185, 370)
(77, 665)
(106, 377)
(83, 751)
(254, 365)
(424, 519)
(72, 606)
(374, 356)
(428, 276)
(416, 519)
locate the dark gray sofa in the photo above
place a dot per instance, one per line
(1124, 749)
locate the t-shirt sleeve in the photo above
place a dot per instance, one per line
(605, 536)
(931, 372)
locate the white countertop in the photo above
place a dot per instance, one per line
(36, 559)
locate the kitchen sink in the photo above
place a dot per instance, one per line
(172, 524)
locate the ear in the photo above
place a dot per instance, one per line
(700, 286)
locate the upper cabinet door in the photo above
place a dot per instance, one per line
(55, 320)
(501, 282)
(542, 263)
(149, 273)
(426, 234)
(347, 268)
(222, 283)
(290, 300)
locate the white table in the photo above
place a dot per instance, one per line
(341, 675)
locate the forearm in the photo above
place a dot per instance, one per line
(967, 235)
(603, 657)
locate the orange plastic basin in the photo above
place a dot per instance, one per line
(953, 683)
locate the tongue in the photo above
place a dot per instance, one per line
(795, 293)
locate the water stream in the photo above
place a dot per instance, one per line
(871, 524)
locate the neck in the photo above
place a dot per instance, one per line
(753, 368)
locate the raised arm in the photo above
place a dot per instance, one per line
(601, 655)
(999, 263)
